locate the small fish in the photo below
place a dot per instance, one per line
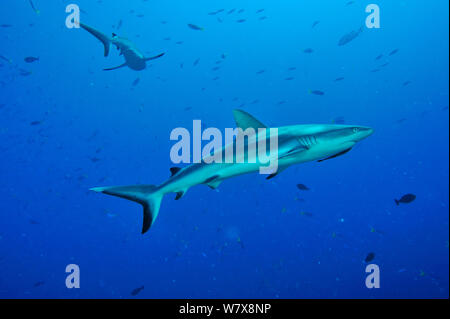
(292, 68)
(302, 187)
(23, 72)
(378, 57)
(33, 7)
(195, 27)
(290, 78)
(369, 257)
(136, 291)
(241, 20)
(338, 79)
(401, 120)
(5, 25)
(136, 82)
(5, 59)
(94, 159)
(119, 25)
(317, 92)
(339, 120)
(38, 284)
(262, 18)
(405, 199)
(315, 23)
(393, 52)
(34, 222)
(374, 70)
(306, 214)
(231, 11)
(346, 38)
(34, 123)
(384, 65)
(406, 83)
(349, 3)
(196, 62)
(308, 50)
(260, 71)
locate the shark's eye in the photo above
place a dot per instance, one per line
(355, 130)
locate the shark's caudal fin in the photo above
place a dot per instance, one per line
(99, 35)
(146, 195)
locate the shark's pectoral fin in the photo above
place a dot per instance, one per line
(154, 57)
(336, 155)
(295, 150)
(279, 170)
(116, 67)
(244, 121)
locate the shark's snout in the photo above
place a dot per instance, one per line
(364, 132)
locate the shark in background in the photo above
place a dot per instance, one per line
(134, 59)
(296, 144)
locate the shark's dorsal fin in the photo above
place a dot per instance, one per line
(244, 121)
(174, 170)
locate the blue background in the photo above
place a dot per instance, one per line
(249, 239)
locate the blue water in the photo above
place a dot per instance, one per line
(253, 238)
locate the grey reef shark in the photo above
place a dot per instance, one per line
(296, 144)
(134, 59)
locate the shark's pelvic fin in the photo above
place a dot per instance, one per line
(336, 155)
(116, 67)
(215, 184)
(99, 35)
(244, 121)
(146, 195)
(154, 57)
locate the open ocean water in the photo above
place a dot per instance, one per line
(67, 126)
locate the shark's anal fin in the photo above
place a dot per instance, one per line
(116, 67)
(100, 36)
(244, 121)
(179, 195)
(336, 155)
(154, 57)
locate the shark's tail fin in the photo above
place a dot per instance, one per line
(99, 35)
(146, 195)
